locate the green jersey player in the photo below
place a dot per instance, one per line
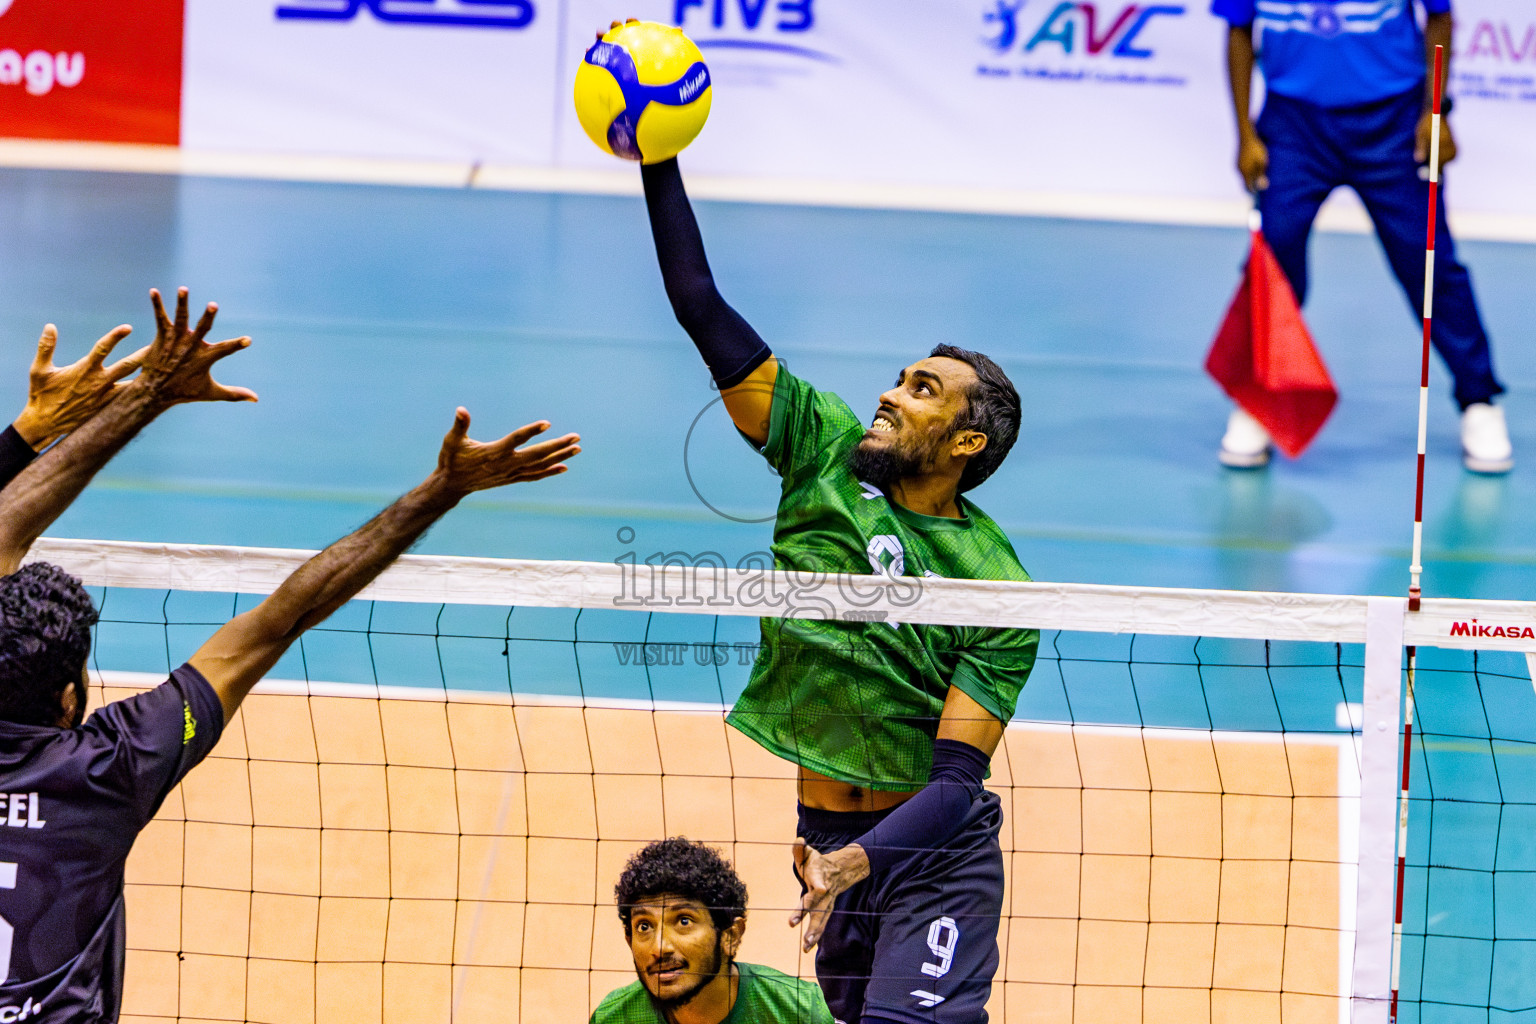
(684, 910)
(892, 725)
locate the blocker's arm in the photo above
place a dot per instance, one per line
(737, 357)
(176, 368)
(242, 651)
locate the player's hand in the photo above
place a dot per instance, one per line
(1253, 162)
(60, 398)
(1421, 140)
(179, 364)
(826, 877)
(465, 466)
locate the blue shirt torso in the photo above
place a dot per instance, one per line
(72, 801)
(1335, 53)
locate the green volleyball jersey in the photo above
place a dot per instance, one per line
(763, 996)
(860, 701)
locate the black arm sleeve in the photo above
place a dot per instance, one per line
(15, 455)
(935, 814)
(730, 347)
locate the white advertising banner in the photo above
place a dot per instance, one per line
(1111, 98)
(1493, 79)
(1097, 95)
(404, 79)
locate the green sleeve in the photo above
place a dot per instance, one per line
(805, 425)
(994, 668)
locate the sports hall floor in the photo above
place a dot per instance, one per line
(375, 310)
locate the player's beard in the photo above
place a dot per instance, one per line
(703, 974)
(884, 464)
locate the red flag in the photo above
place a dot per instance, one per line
(1263, 356)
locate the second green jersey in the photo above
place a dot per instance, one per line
(860, 701)
(764, 996)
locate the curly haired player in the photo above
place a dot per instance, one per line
(684, 911)
(75, 792)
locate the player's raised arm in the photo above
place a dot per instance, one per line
(737, 357)
(241, 652)
(60, 398)
(176, 368)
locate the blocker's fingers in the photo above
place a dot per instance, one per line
(228, 394)
(205, 323)
(225, 348)
(107, 342)
(181, 312)
(162, 321)
(546, 448)
(552, 459)
(524, 432)
(126, 365)
(544, 474)
(460, 429)
(46, 343)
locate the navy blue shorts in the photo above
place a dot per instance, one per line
(918, 942)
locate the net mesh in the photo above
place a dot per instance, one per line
(1469, 918)
(422, 812)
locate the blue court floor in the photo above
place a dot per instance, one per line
(376, 310)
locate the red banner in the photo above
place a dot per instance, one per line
(95, 70)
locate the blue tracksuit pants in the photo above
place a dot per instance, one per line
(1312, 151)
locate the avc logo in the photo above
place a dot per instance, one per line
(1118, 35)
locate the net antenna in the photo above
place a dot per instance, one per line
(1416, 569)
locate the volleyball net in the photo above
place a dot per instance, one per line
(422, 812)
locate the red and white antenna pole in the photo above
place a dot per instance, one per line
(1416, 569)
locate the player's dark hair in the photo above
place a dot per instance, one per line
(45, 634)
(992, 409)
(691, 870)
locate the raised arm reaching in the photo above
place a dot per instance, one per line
(176, 368)
(740, 362)
(242, 651)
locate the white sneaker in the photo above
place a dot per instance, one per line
(1485, 446)
(1245, 445)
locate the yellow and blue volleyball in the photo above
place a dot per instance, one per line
(643, 91)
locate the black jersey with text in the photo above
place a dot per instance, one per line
(72, 801)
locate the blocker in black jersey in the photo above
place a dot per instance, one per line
(72, 801)
(73, 794)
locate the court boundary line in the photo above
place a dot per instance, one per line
(1344, 215)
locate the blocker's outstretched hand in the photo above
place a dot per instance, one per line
(465, 466)
(60, 398)
(179, 364)
(826, 877)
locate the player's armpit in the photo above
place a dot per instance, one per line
(966, 721)
(750, 403)
(236, 657)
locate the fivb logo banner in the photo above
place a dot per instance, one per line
(963, 93)
(96, 71)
